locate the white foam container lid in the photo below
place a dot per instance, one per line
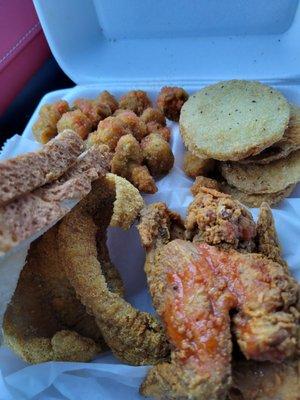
(184, 42)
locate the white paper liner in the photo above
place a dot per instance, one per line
(12, 262)
(107, 378)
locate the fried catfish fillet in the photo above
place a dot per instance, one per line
(194, 288)
(265, 381)
(135, 337)
(44, 320)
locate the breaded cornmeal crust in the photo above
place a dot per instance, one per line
(289, 143)
(255, 200)
(128, 201)
(232, 120)
(273, 177)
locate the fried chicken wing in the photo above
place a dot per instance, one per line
(197, 289)
(135, 337)
(266, 322)
(217, 219)
(193, 309)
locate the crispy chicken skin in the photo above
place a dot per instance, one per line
(195, 287)
(170, 100)
(265, 381)
(217, 219)
(268, 243)
(134, 336)
(45, 128)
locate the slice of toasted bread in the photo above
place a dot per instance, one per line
(28, 171)
(31, 212)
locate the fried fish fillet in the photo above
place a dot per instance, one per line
(26, 325)
(134, 336)
(44, 320)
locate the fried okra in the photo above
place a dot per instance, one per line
(77, 121)
(157, 154)
(170, 100)
(95, 111)
(127, 162)
(136, 101)
(108, 99)
(45, 128)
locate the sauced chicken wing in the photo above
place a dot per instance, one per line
(197, 289)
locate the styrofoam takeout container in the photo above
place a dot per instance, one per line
(142, 44)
